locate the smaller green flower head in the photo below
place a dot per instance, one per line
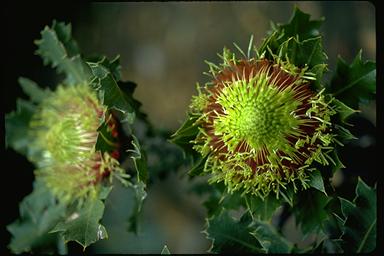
(261, 126)
(65, 131)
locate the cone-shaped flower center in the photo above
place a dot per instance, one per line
(257, 113)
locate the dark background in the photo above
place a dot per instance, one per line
(163, 46)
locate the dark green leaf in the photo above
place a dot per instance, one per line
(39, 213)
(301, 25)
(359, 235)
(343, 110)
(299, 29)
(83, 224)
(231, 236)
(263, 209)
(140, 160)
(199, 167)
(355, 82)
(316, 181)
(140, 195)
(17, 127)
(54, 51)
(64, 34)
(304, 53)
(110, 93)
(35, 93)
(105, 141)
(310, 212)
(186, 133)
(269, 238)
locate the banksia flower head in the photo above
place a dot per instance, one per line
(261, 125)
(65, 128)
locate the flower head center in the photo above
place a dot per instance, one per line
(256, 112)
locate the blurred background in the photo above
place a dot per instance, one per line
(163, 46)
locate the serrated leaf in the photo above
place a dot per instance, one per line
(308, 52)
(105, 141)
(198, 168)
(263, 209)
(343, 110)
(54, 51)
(354, 83)
(165, 250)
(64, 34)
(187, 132)
(17, 126)
(269, 238)
(231, 236)
(359, 234)
(39, 213)
(30, 88)
(139, 158)
(140, 195)
(301, 25)
(83, 224)
(110, 93)
(309, 210)
(316, 181)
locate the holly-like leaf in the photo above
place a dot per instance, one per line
(354, 83)
(310, 212)
(359, 234)
(301, 25)
(263, 209)
(82, 225)
(269, 238)
(316, 181)
(33, 90)
(187, 132)
(39, 213)
(139, 158)
(303, 53)
(110, 93)
(231, 236)
(17, 126)
(343, 110)
(301, 35)
(140, 195)
(58, 49)
(199, 167)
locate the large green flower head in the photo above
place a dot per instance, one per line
(261, 125)
(65, 130)
(266, 122)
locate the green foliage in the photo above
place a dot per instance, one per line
(262, 209)
(110, 93)
(270, 239)
(360, 220)
(57, 48)
(231, 236)
(310, 212)
(354, 83)
(185, 134)
(82, 225)
(39, 213)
